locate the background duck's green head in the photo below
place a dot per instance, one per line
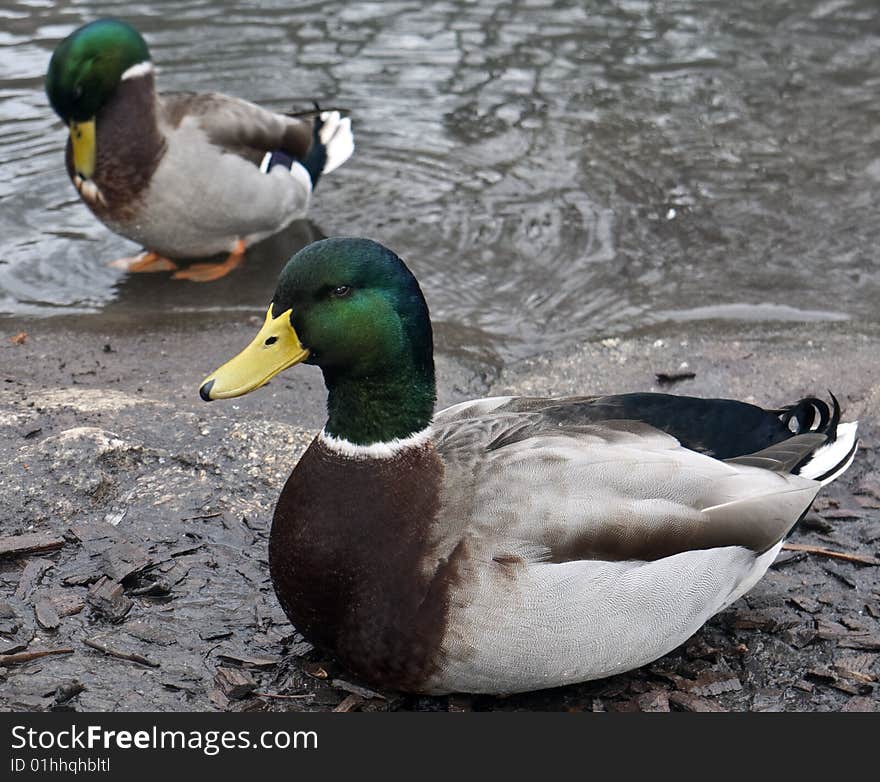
(352, 307)
(86, 67)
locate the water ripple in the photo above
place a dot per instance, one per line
(551, 170)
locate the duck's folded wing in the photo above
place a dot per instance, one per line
(590, 550)
(615, 491)
(238, 125)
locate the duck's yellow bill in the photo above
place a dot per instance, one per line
(82, 136)
(273, 350)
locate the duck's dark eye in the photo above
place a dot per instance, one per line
(271, 341)
(340, 291)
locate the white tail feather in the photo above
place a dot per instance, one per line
(832, 459)
(336, 135)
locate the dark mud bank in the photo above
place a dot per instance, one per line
(135, 523)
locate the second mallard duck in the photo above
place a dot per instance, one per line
(185, 175)
(508, 544)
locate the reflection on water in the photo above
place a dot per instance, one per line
(551, 170)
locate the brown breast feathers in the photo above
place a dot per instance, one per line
(352, 564)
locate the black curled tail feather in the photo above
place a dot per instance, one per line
(812, 414)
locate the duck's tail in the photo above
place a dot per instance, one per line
(332, 144)
(820, 447)
(336, 136)
(831, 459)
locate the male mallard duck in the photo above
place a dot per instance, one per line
(508, 544)
(184, 175)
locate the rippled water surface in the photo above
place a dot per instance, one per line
(550, 170)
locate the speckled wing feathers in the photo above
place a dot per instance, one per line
(613, 490)
(237, 125)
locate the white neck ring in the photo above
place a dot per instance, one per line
(386, 450)
(138, 70)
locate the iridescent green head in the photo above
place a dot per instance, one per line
(352, 307)
(87, 66)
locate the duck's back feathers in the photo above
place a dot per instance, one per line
(237, 125)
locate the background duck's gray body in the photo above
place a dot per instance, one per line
(204, 197)
(191, 186)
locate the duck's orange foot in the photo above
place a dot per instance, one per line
(207, 272)
(145, 262)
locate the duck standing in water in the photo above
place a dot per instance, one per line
(508, 544)
(185, 175)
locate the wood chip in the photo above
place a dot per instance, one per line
(219, 699)
(123, 560)
(799, 637)
(26, 657)
(813, 521)
(859, 666)
(259, 663)
(828, 630)
(768, 620)
(108, 599)
(349, 703)
(30, 543)
(851, 689)
(866, 641)
(67, 602)
(822, 675)
(806, 604)
(788, 558)
(66, 692)
(687, 702)
(869, 486)
(31, 576)
(234, 683)
(713, 683)
(842, 577)
(653, 701)
(356, 689)
(314, 670)
(843, 514)
(97, 644)
(284, 697)
(46, 616)
(824, 552)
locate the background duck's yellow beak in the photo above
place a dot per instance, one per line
(275, 348)
(82, 136)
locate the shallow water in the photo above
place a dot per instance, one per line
(552, 171)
